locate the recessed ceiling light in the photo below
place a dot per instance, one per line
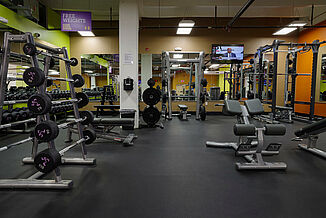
(297, 23)
(86, 33)
(177, 55)
(186, 27)
(284, 31)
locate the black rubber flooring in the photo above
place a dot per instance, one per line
(170, 173)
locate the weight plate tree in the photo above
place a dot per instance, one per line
(151, 115)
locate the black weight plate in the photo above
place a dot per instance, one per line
(82, 99)
(46, 131)
(151, 96)
(29, 49)
(204, 82)
(73, 62)
(164, 98)
(88, 115)
(49, 83)
(39, 104)
(151, 115)
(164, 83)
(151, 82)
(33, 76)
(47, 160)
(90, 136)
(7, 118)
(202, 112)
(78, 80)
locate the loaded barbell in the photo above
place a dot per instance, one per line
(48, 130)
(34, 76)
(41, 103)
(30, 49)
(49, 159)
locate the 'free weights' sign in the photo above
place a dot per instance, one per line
(76, 21)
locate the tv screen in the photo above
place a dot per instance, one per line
(227, 54)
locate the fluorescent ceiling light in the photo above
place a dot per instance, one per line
(86, 33)
(175, 65)
(177, 55)
(284, 31)
(185, 23)
(88, 71)
(54, 73)
(297, 23)
(214, 66)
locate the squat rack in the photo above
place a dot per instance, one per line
(274, 47)
(167, 62)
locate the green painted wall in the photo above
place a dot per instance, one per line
(54, 37)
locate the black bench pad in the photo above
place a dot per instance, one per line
(114, 121)
(183, 107)
(232, 107)
(254, 106)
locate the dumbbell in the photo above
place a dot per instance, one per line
(6, 117)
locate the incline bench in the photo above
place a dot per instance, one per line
(311, 133)
(103, 129)
(251, 137)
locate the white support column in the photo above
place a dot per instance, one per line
(146, 70)
(128, 45)
(93, 82)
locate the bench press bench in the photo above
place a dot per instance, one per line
(103, 129)
(100, 109)
(183, 112)
(311, 132)
(284, 114)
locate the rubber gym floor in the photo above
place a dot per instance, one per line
(170, 173)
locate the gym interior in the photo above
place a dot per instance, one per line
(157, 108)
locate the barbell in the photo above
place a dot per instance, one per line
(48, 130)
(49, 159)
(34, 76)
(41, 103)
(30, 49)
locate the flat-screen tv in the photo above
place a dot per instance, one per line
(227, 54)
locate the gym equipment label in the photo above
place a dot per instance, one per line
(76, 21)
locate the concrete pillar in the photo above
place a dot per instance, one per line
(128, 51)
(146, 70)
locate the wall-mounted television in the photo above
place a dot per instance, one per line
(227, 54)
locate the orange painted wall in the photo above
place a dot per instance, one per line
(304, 65)
(212, 80)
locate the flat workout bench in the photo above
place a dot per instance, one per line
(100, 108)
(103, 126)
(183, 111)
(311, 133)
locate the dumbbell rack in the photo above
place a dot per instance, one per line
(33, 181)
